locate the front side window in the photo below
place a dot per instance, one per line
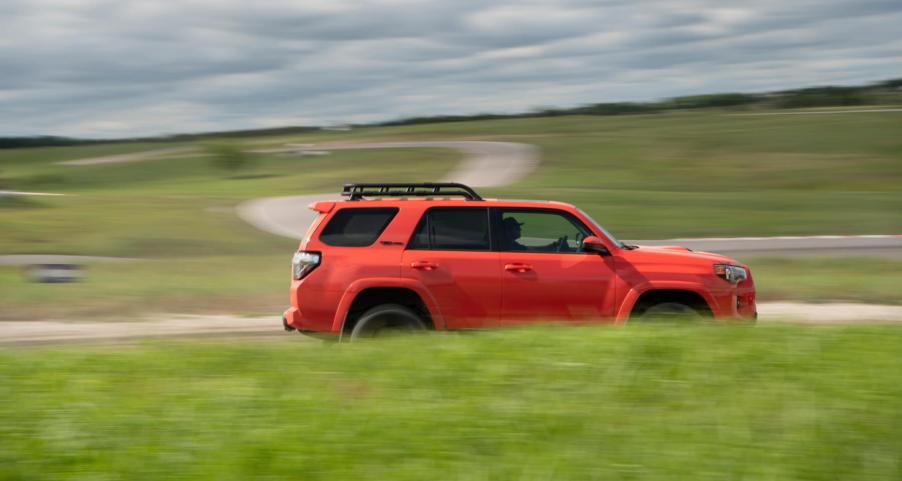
(452, 229)
(526, 230)
(357, 227)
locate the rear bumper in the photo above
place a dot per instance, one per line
(292, 320)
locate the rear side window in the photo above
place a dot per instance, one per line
(453, 229)
(357, 227)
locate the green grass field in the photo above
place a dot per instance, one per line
(662, 403)
(644, 176)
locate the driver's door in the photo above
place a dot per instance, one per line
(546, 276)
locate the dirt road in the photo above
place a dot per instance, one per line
(60, 332)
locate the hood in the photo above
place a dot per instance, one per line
(670, 248)
(681, 254)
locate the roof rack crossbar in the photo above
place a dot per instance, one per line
(430, 189)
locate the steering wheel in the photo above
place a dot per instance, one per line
(560, 243)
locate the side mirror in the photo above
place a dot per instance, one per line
(594, 244)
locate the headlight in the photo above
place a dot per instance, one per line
(730, 273)
(303, 262)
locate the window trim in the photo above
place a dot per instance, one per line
(394, 213)
(425, 217)
(496, 215)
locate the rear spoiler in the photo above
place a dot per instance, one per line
(322, 206)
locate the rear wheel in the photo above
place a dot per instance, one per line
(387, 319)
(670, 311)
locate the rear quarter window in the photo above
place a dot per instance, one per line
(452, 228)
(357, 227)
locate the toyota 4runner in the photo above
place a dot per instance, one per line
(438, 256)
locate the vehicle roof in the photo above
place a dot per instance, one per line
(450, 202)
(420, 195)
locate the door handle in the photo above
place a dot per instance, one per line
(517, 267)
(425, 265)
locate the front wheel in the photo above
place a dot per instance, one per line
(385, 320)
(669, 311)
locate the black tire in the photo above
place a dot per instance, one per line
(670, 311)
(387, 319)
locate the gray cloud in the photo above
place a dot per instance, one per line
(109, 68)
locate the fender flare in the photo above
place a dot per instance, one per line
(629, 301)
(356, 287)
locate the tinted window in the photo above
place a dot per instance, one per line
(541, 231)
(452, 229)
(420, 239)
(357, 227)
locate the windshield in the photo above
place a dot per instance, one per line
(602, 229)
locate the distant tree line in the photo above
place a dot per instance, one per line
(52, 141)
(827, 96)
(42, 141)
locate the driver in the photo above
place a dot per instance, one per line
(512, 231)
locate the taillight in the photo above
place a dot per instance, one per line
(303, 262)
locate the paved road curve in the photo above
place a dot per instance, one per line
(131, 157)
(487, 164)
(791, 246)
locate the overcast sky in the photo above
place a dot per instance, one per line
(118, 68)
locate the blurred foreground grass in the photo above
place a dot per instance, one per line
(635, 403)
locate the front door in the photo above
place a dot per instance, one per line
(451, 255)
(545, 274)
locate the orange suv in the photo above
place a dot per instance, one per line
(439, 256)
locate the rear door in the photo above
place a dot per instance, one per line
(545, 274)
(451, 254)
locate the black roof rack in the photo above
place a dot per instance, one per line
(359, 191)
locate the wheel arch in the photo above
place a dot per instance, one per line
(366, 293)
(693, 295)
